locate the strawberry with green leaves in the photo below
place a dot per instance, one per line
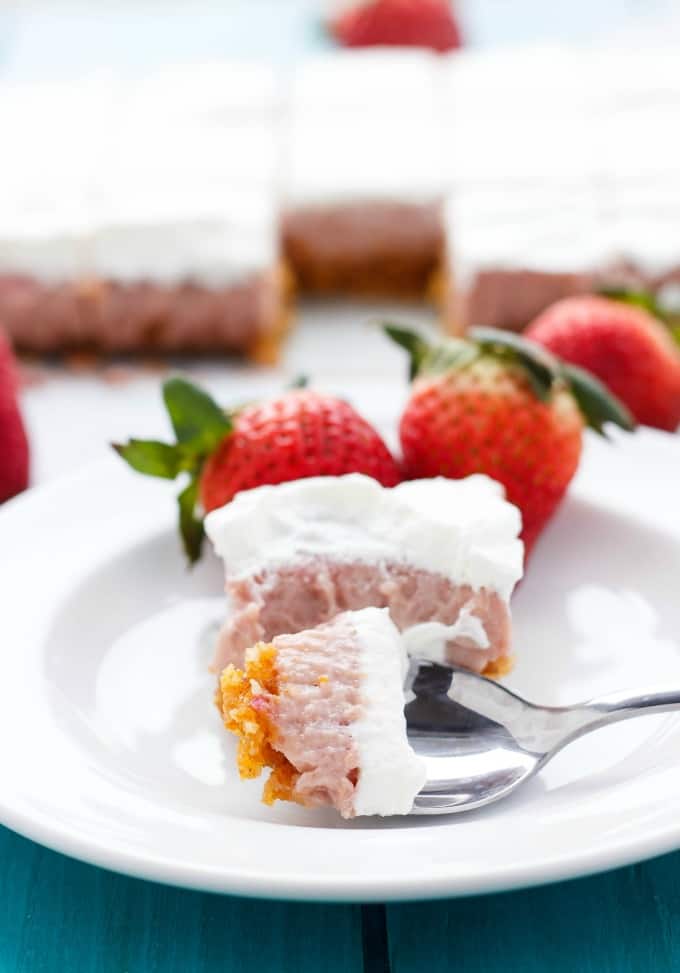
(300, 433)
(631, 350)
(493, 403)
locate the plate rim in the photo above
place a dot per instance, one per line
(257, 885)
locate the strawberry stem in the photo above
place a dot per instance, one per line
(418, 349)
(596, 402)
(151, 457)
(666, 313)
(190, 525)
(543, 370)
(193, 413)
(200, 425)
(540, 366)
(638, 298)
(299, 382)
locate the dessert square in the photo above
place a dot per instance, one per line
(442, 555)
(515, 248)
(544, 179)
(162, 237)
(364, 179)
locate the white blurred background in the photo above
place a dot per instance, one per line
(58, 38)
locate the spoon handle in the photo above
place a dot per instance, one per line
(540, 730)
(570, 722)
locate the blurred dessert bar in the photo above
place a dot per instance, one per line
(511, 254)
(364, 179)
(556, 186)
(513, 238)
(150, 222)
(174, 213)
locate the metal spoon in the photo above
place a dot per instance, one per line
(480, 741)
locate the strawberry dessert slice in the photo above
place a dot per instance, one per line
(442, 555)
(324, 709)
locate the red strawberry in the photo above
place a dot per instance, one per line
(13, 442)
(492, 404)
(631, 351)
(407, 23)
(299, 434)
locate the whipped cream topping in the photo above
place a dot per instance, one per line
(353, 157)
(554, 229)
(211, 89)
(47, 243)
(144, 181)
(365, 126)
(462, 529)
(390, 773)
(527, 125)
(428, 640)
(379, 80)
(561, 228)
(168, 177)
(212, 241)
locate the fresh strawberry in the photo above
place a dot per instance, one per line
(403, 23)
(13, 441)
(493, 404)
(299, 434)
(632, 352)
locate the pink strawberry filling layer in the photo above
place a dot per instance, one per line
(319, 699)
(300, 596)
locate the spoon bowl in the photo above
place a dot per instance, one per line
(480, 741)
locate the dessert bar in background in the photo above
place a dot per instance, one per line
(143, 217)
(514, 249)
(178, 212)
(364, 180)
(557, 186)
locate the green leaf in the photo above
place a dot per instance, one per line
(200, 426)
(654, 304)
(195, 416)
(190, 525)
(595, 401)
(151, 457)
(638, 298)
(675, 331)
(299, 382)
(416, 346)
(453, 353)
(540, 366)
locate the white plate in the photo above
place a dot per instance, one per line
(112, 751)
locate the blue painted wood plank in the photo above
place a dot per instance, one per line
(626, 921)
(61, 916)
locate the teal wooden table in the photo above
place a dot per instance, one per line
(61, 916)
